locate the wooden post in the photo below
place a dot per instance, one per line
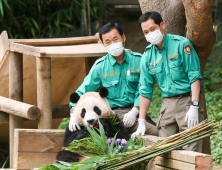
(44, 92)
(15, 93)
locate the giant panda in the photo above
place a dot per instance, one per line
(89, 108)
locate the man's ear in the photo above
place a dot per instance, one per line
(103, 92)
(162, 25)
(74, 98)
(124, 38)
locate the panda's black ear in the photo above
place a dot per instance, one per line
(74, 97)
(103, 92)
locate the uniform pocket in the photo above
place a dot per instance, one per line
(176, 69)
(156, 72)
(132, 83)
(160, 115)
(112, 88)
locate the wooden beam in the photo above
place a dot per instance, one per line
(57, 41)
(170, 163)
(58, 111)
(44, 92)
(19, 108)
(15, 93)
(4, 47)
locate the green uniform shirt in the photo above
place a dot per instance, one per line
(122, 81)
(174, 68)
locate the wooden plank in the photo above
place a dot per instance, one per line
(170, 163)
(34, 160)
(39, 140)
(57, 41)
(199, 159)
(4, 47)
(15, 93)
(149, 139)
(85, 50)
(25, 49)
(157, 167)
(44, 92)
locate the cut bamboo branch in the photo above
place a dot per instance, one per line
(19, 108)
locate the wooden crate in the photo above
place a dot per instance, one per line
(37, 147)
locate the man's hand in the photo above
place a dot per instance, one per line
(73, 125)
(141, 128)
(192, 116)
(130, 118)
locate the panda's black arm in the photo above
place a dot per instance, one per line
(111, 130)
(75, 135)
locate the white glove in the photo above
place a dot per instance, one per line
(141, 128)
(73, 125)
(130, 118)
(192, 116)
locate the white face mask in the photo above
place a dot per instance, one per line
(154, 37)
(115, 49)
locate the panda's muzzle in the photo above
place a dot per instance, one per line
(92, 122)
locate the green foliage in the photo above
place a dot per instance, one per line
(113, 120)
(39, 19)
(4, 155)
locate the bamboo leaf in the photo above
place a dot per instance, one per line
(35, 23)
(1, 8)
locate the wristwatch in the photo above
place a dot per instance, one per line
(195, 103)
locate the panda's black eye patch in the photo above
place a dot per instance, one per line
(83, 112)
(97, 110)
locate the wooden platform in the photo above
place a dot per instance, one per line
(35, 148)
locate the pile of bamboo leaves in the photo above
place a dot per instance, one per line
(139, 158)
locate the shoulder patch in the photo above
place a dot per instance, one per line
(136, 54)
(100, 59)
(187, 49)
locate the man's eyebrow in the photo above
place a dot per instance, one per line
(114, 36)
(107, 39)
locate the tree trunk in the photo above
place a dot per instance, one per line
(199, 28)
(172, 12)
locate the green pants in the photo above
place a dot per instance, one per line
(171, 118)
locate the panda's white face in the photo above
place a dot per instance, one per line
(90, 108)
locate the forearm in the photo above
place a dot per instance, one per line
(195, 88)
(144, 106)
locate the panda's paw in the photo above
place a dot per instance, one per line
(106, 124)
(67, 156)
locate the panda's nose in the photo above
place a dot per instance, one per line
(91, 121)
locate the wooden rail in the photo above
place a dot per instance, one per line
(58, 112)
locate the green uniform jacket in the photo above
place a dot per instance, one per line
(122, 80)
(174, 68)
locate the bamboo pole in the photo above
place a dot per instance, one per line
(44, 92)
(15, 93)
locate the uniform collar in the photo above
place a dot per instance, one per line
(114, 61)
(165, 43)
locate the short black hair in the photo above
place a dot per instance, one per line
(108, 27)
(150, 15)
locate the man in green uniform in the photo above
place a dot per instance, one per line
(172, 61)
(119, 72)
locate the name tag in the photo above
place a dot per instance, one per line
(173, 59)
(135, 73)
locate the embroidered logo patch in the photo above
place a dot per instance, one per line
(188, 49)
